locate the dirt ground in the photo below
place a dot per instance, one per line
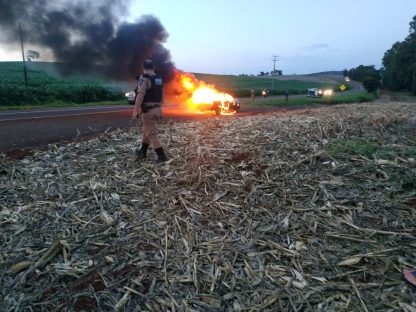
(310, 210)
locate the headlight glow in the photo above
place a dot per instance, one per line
(328, 92)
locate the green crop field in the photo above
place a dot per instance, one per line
(240, 85)
(46, 87)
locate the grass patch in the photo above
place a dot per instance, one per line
(406, 181)
(403, 96)
(335, 99)
(347, 147)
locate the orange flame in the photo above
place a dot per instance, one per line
(193, 95)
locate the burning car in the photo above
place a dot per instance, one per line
(207, 98)
(195, 96)
(226, 106)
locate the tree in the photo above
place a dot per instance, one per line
(412, 28)
(362, 72)
(276, 72)
(345, 72)
(414, 80)
(398, 62)
(371, 83)
(368, 75)
(31, 55)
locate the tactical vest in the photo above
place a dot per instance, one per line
(155, 93)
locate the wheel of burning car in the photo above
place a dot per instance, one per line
(217, 110)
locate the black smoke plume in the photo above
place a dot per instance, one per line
(89, 37)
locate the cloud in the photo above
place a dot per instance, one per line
(316, 46)
(319, 47)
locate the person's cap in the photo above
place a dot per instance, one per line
(148, 64)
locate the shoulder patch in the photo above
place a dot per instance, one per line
(140, 82)
(158, 81)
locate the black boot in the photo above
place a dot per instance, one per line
(161, 157)
(141, 153)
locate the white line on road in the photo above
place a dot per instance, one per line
(69, 115)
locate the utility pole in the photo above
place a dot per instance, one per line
(23, 53)
(274, 68)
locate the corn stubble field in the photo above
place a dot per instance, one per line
(298, 211)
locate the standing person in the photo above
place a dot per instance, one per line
(252, 94)
(148, 102)
(287, 95)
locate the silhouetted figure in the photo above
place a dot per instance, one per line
(252, 94)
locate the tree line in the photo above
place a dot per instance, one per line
(399, 67)
(399, 63)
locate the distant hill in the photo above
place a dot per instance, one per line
(326, 73)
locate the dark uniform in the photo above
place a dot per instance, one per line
(149, 100)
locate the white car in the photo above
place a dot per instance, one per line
(315, 92)
(131, 97)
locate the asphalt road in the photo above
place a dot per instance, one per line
(23, 130)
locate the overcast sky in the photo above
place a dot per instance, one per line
(234, 37)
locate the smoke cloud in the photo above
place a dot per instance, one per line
(89, 37)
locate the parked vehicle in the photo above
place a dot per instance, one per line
(315, 92)
(131, 97)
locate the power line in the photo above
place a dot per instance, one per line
(275, 59)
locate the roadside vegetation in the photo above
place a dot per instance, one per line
(368, 75)
(403, 97)
(360, 97)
